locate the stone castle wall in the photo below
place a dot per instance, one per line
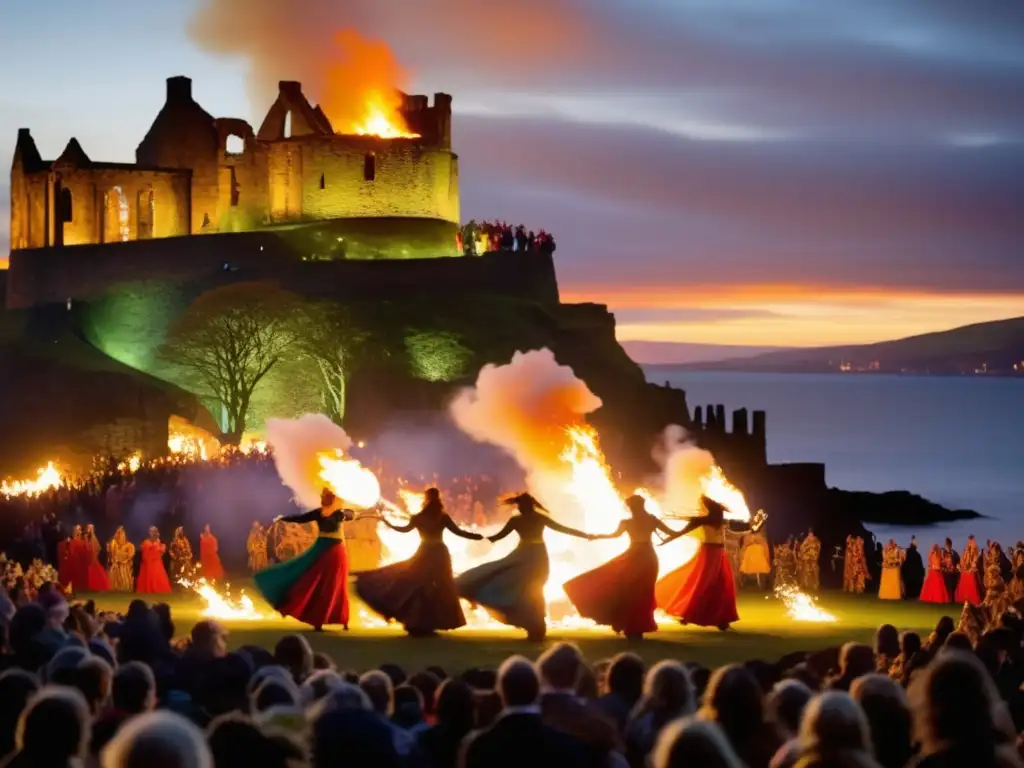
(55, 275)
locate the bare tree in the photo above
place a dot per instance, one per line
(331, 338)
(228, 340)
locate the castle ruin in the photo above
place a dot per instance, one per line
(196, 174)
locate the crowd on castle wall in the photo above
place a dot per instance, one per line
(498, 236)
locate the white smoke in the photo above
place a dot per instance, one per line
(684, 465)
(296, 444)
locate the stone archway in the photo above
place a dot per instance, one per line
(116, 222)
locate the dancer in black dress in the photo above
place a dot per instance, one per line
(512, 588)
(419, 592)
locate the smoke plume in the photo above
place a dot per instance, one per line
(296, 443)
(684, 467)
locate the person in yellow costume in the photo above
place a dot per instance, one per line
(891, 585)
(755, 559)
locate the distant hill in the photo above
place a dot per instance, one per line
(994, 348)
(673, 353)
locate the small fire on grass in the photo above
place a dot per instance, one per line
(224, 606)
(801, 606)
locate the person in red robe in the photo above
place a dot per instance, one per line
(934, 589)
(96, 579)
(968, 587)
(153, 578)
(703, 591)
(78, 561)
(209, 560)
(620, 593)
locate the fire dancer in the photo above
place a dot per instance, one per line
(96, 579)
(419, 592)
(182, 566)
(120, 559)
(313, 587)
(512, 588)
(209, 560)
(968, 588)
(256, 546)
(703, 591)
(152, 574)
(620, 593)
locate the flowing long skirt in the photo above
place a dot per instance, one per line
(934, 589)
(511, 589)
(968, 589)
(891, 585)
(620, 593)
(418, 592)
(701, 592)
(121, 579)
(211, 568)
(312, 587)
(96, 578)
(153, 578)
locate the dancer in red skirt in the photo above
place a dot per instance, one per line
(968, 587)
(96, 579)
(152, 574)
(620, 593)
(209, 560)
(703, 591)
(313, 587)
(934, 589)
(78, 560)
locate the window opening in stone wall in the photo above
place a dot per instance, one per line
(145, 210)
(116, 227)
(235, 145)
(66, 205)
(323, 182)
(235, 189)
(288, 124)
(370, 166)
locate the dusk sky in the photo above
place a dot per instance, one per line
(750, 172)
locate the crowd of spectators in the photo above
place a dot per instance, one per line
(476, 238)
(83, 688)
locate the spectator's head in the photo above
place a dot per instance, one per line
(395, 672)
(379, 690)
(27, 622)
(954, 704)
(957, 641)
(16, 688)
(427, 684)
(54, 727)
(323, 661)
(692, 742)
(162, 612)
(518, 682)
(887, 641)
(833, 723)
(294, 654)
(63, 667)
(226, 684)
(910, 643)
(346, 736)
(560, 667)
(318, 685)
(343, 696)
(157, 740)
(408, 706)
(134, 688)
(455, 706)
(668, 692)
(734, 701)
(210, 639)
(943, 629)
(626, 677)
(274, 692)
(236, 740)
(785, 707)
(856, 659)
(888, 712)
(94, 679)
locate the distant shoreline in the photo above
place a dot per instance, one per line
(699, 368)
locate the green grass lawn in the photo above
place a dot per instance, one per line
(764, 632)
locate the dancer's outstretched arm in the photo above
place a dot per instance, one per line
(662, 528)
(407, 528)
(556, 526)
(510, 526)
(613, 535)
(450, 525)
(693, 525)
(306, 517)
